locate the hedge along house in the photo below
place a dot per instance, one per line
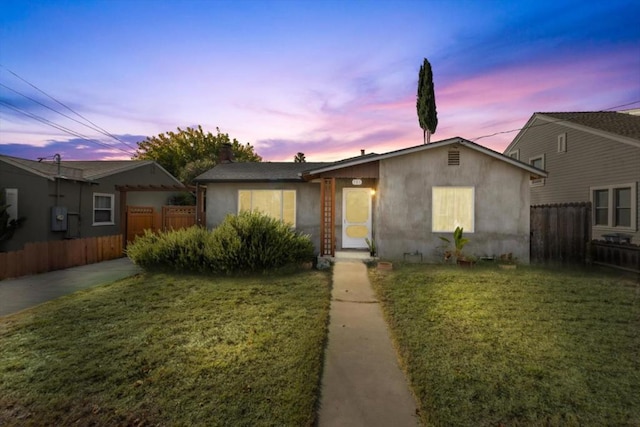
(404, 200)
(77, 199)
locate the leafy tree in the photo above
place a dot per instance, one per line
(189, 152)
(426, 102)
(300, 158)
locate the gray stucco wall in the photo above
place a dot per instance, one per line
(222, 199)
(403, 220)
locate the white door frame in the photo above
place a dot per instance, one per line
(350, 242)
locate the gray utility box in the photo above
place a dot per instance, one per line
(58, 218)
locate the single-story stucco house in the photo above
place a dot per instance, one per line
(404, 200)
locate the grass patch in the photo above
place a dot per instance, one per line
(162, 349)
(532, 346)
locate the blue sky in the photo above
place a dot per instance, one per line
(327, 78)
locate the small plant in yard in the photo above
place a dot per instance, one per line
(459, 242)
(371, 244)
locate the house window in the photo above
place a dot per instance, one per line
(615, 206)
(515, 154)
(622, 207)
(279, 204)
(562, 143)
(537, 162)
(601, 207)
(103, 209)
(452, 207)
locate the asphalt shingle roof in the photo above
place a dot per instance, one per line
(76, 170)
(259, 171)
(622, 124)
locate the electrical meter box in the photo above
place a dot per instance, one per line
(58, 218)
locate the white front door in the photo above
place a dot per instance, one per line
(356, 217)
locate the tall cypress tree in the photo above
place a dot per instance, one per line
(426, 102)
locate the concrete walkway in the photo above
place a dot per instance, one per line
(362, 384)
(29, 291)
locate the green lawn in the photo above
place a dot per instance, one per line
(489, 347)
(164, 349)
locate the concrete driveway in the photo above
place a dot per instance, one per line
(29, 291)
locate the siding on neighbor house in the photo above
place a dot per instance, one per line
(589, 161)
(222, 199)
(36, 196)
(403, 220)
(33, 191)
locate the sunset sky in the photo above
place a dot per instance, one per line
(326, 78)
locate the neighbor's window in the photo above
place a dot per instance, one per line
(279, 204)
(452, 207)
(622, 206)
(615, 206)
(601, 207)
(537, 162)
(515, 154)
(103, 209)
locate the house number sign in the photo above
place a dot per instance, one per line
(357, 182)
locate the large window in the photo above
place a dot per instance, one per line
(615, 206)
(103, 209)
(452, 207)
(279, 204)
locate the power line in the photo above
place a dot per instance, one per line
(549, 123)
(62, 128)
(96, 127)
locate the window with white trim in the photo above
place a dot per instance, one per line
(615, 206)
(278, 204)
(103, 207)
(562, 143)
(452, 207)
(515, 154)
(537, 162)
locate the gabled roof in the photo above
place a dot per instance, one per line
(257, 171)
(80, 170)
(609, 121)
(425, 147)
(618, 126)
(295, 172)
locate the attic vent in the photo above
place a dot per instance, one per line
(454, 158)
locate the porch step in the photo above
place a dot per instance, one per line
(355, 255)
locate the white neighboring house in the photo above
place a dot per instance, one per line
(590, 156)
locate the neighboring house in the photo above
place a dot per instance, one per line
(590, 157)
(74, 199)
(403, 199)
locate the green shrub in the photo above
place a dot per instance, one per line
(184, 249)
(248, 242)
(263, 243)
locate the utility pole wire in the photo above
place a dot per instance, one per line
(62, 128)
(100, 129)
(550, 122)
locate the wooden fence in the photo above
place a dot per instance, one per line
(59, 254)
(140, 218)
(560, 233)
(621, 256)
